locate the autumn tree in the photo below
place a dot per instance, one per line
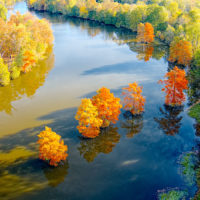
(145, 33)
(108, 106)
(175, 83)
(181, 52)
(140, 32)
(133, 100)
(51, 148)
(89, 122)
(4, 73)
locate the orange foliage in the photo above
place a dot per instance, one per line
(51, 148)
(181, 51)
(133, 100)
(149, 33)
(148, 53)
(175, 83)
(145, 33)
(108, 106)
(29, 61)
(89, 122)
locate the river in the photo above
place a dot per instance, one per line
(133, 159)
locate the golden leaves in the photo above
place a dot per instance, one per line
(51, 148)
(89, 122)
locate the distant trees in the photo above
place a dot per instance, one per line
(24, 40)
(181, 52)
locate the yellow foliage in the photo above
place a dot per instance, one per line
(52, 148)
(89, 122)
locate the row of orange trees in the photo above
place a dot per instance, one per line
(104, 108)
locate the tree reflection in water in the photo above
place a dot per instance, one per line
(170, 123)
(104, 143)
(26, 85)
(56, 175)
(133, 124)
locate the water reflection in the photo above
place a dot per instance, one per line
(104, 143)
(56, 175)
(170, 122)
(147, 51)
(132, 124)
(26, 85)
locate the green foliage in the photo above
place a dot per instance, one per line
(172, 195)
(3, 11)
(195, 112)
(188, 164)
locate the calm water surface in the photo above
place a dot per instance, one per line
(132, 159)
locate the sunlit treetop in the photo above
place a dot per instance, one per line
(175, 83)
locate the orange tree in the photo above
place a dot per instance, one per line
(51, 148)
(145, 33)
(181, 51)
(133, 100)
(108, 106)
(89, 122)
(175, 83)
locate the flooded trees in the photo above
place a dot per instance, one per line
(97, 112)
(175, 83)
(52, 148)
(133, 100)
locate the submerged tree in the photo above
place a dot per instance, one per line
(108, 106)
(133, 100)
(104, 143)
(170, 122)
(175, 83)
(52, 148)
(88, 117)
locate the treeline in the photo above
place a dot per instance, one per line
(175, 22)
(24, 40)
